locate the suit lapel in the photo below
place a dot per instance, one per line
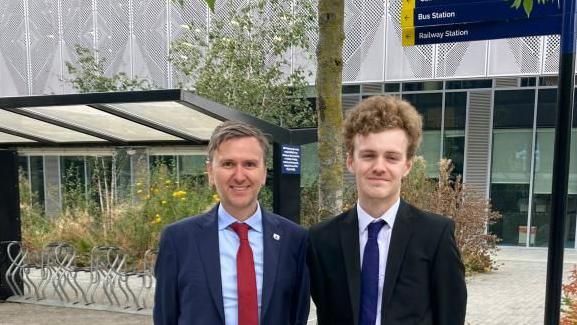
(349, 233)
(207, 241)
(402, 231)
(272, 249)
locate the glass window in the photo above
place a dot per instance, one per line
(424, 85)
(528, 82)
(547, 108)
(510, 177)
(511, 156)
(392, 87)
(468, 84)
(430, 105)
(351, 89)
(512, 201)
(309, 163)
(122, 169)
(73, 180)
(454, 149)
(454, 132)
(430, 150)
(548, 81)
(192, 168)
(514, 108)
(455, 111)
(168, 161)
(23, 166)
(37, 178)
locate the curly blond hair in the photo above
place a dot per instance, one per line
(379, 113)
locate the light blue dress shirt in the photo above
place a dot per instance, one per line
(383, 241)
(228, 245)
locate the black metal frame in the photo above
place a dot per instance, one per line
(100, 100)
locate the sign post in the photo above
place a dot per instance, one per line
(561, 159)
(448, 21)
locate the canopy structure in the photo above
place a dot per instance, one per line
(151, 118)
(155, 118)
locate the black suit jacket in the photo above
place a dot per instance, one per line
(424, 280)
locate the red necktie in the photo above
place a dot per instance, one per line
(246, 278)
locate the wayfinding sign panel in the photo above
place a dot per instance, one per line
(448, 21)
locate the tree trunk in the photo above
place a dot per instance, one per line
(329, 106)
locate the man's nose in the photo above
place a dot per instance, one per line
(379, 166)
(239, 173)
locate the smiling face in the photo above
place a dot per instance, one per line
(238, 171)
(379, 162)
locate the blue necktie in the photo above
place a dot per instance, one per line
(370, 276)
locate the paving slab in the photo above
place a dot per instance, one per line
(513, 294)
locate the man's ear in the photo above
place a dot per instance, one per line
(408, 166)
(209, 172)
(349, 162)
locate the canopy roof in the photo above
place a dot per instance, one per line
(154, 117)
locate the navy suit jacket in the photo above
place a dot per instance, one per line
(189, 286)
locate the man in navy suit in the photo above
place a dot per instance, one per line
(236, 264)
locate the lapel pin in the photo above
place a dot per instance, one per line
(276, 236)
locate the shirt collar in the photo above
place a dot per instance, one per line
(225, 219)
(389, 216)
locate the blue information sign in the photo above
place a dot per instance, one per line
(291, 159)
(433, 3)
(449, 21)
(481, 31)
(471, 12)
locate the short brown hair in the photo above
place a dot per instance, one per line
(233, 130)
(379, 113)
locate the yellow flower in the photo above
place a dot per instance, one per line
(167, 181)
(138, 184)
(215, 198)
(157, 219)
(139, 191)
(163, 202)
(178, 194)
(183, 199)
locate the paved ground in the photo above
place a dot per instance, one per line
(514, 294)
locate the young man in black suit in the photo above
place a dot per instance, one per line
(385, 261)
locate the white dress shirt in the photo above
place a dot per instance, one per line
(383, 241)
(229, 242)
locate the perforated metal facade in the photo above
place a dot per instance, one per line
(37, 37)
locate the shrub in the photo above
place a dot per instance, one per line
(133, 226)
(569, 301)
(468, 208)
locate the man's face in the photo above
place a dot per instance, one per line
(379, 162)
(238, 171)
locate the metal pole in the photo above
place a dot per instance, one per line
(561, 164)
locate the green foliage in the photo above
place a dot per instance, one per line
(133, 226)
(243, 60)
(35, 227)
(88, 75)
(527, 5)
